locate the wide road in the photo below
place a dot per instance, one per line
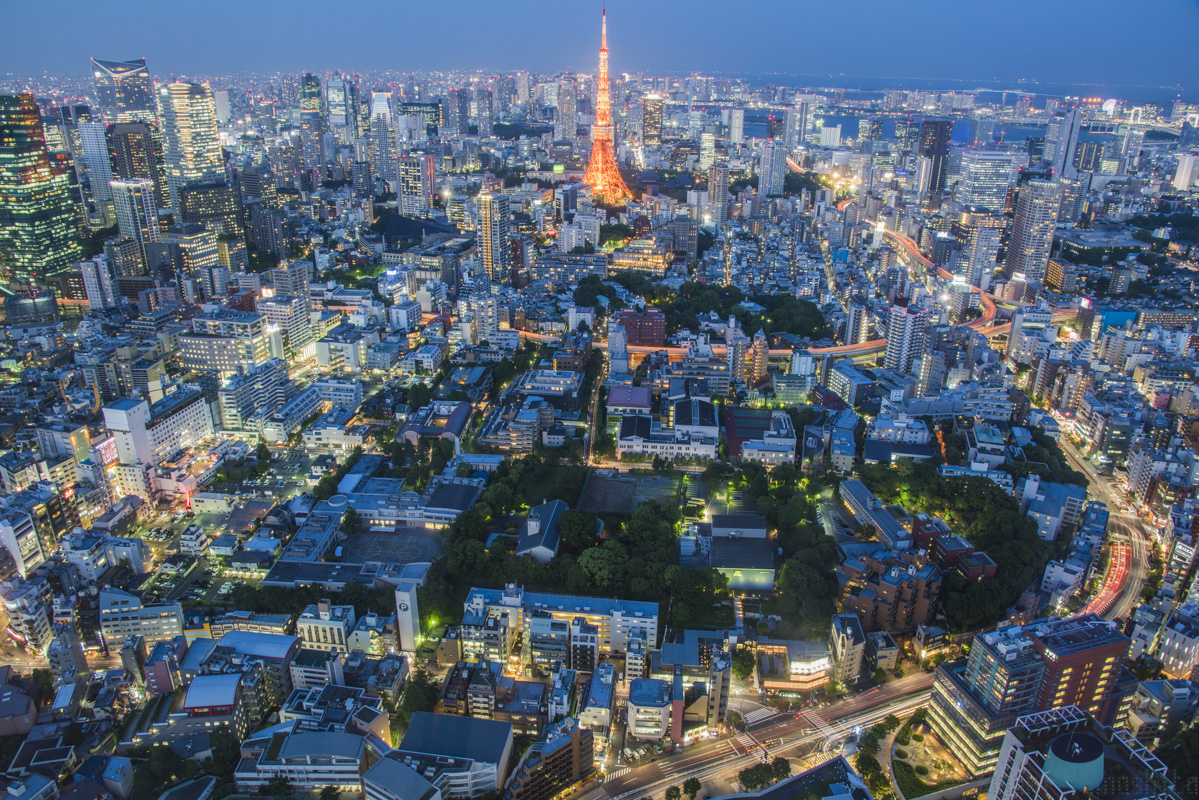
(1124, 529)
(786, 734)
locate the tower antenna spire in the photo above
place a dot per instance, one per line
(603, 176)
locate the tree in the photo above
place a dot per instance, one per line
(578, 530)
(691, 787)
(263, 452)
(330, 793)
(420, 694)
(603, 569)
(72, 734)
(780, 766)
(351, 522)
(673, 793)
(743, 663)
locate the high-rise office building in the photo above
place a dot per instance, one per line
(38, 223)
(191, 144)
(417, 184)
(651, 119)
(982, 130)
(135, 151)
(772, 168)
(1014, 671)
(124, 90)
(1187, 171)
(907, 134)
(870, 129)
(458, 114)
(906, 334)
(718, 193)
(1061, 142)
(568, 108)
(1032, 231)
(310, 94)
(707, 150)
(99, 283)
(985, 178)
(484, 110)
(289, 315)
(736, 125)
(795, 126)
(341, 100)
(495, 230)
(137, 213)
(217, 206)
(982, 250)
(94, 140)
(934, 144)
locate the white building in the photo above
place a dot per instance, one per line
(149, 434)
(307, 760)
(900, 429)
(123, 615)
(322, 626)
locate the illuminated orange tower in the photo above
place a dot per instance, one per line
(602, 175)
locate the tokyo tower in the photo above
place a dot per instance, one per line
(602, 175)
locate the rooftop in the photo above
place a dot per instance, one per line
(483, 740)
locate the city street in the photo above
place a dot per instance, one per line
(1122, 528)
(795, 735)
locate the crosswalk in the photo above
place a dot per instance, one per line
(818, 722)
(759, 714)
(616, 773)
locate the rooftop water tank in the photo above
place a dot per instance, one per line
(1075, 760)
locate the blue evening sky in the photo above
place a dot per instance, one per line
(1112, 43)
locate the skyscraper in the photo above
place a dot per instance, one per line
(985, 178)
(416, 184)
(135, 151)
(934, 144)
(736, 125)
(1032, 231)
(458, 114)
(718, 193)
(651, 119)
(602, 174)
(310, 93)
(707, 150)
(341, 98)
(93, 138)
(772, 168)
(982, 250)
(795, 126)
(38, 232)
(568, 108)
(495, 228)
(191, 145)
(906, 328)
(123, 90)
(907, 134)
(137, 213)
(1061, 140)
(1185, 174)
(870, 129)
(484, 110)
